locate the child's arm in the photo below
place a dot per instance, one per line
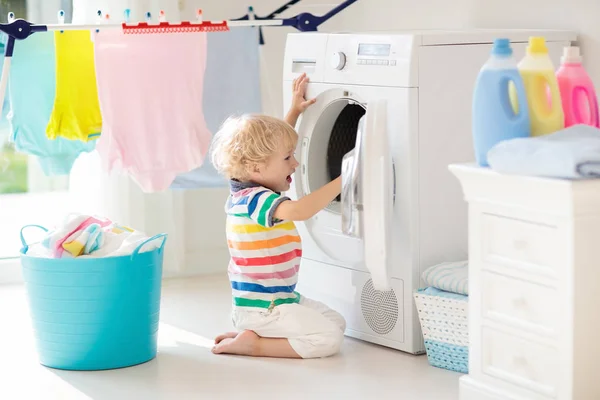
(292, 117)
(309, 205)
(299, 102)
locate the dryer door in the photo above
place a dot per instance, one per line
(377, 193)
(367, 192)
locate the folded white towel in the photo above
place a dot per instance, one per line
(449, 276)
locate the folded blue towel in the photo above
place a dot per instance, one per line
(571, 153)
(448, 276)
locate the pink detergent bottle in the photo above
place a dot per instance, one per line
(579, 101)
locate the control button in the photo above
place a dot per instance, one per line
(393, 63)
(378, 62)
(386, 62)
(370, 62)
(361, 61)
(338, 60)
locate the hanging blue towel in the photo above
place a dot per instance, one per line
(571, 153)
(32, 82)
(6, 106)
(231, 87)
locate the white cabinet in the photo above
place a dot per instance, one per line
(534, 287)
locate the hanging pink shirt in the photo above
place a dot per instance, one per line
(150, 88)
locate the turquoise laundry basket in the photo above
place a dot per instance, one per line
(95, 314)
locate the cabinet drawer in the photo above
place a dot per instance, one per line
(521, 362)
(518, 303)
(529, 246)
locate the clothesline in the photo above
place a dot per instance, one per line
(203, 26)
(21, 29)
(165, 27)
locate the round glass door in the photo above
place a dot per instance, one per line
(327, 131)
(333, 136)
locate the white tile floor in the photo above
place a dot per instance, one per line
(193, 312)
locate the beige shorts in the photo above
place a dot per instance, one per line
(313, 329)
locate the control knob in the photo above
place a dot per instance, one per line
(338, 60)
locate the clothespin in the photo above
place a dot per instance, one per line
(167, 27)
(127, 15)
(61, 18)
(98, 19)
(252, 17)
(11, 17)
(162, 17)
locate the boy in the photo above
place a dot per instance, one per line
(256, 152)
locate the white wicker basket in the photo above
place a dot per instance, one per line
(444, 322)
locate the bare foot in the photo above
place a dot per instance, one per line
(220, 338)
(244, 344)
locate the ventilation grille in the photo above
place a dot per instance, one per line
(343, 138)
(379, 308)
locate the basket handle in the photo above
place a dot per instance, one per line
(25, 245)
(160, 249)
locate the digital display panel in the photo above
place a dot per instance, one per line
(372, 49)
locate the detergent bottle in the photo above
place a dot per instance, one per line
(494, 118)
(579, 101)
(545, 106)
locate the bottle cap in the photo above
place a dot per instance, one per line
(501, 47)
(571, 55)
(537, 45)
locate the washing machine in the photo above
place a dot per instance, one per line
(393, 110)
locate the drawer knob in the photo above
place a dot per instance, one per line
(520, 244)
(520, 361)
(520, 302)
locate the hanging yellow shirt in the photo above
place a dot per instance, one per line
(76, 113)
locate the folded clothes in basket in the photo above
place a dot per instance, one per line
(86, 236)
(449, 276)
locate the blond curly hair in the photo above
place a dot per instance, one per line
(247, 141)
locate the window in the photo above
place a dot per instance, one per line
(27, 195)
(13, 166)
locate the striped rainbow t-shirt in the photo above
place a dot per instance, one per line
(265, 252)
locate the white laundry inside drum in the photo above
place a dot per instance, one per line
(333, 136)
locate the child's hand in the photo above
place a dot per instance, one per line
(299, 102)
